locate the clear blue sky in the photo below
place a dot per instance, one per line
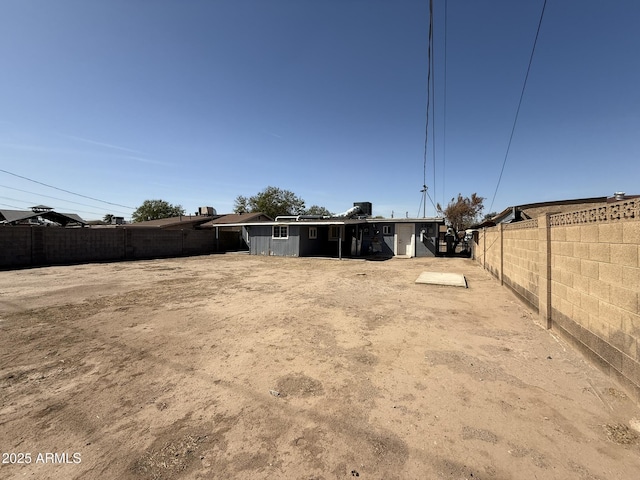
(196, 102)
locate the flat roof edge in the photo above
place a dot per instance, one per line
(331, 222)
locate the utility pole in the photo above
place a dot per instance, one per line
(424, 201)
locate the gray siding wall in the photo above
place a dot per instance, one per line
(370, 232)
(388, 246)
(308, 246)
(428, 246)
(262, 242)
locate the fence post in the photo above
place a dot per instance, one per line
(484, 247)
(544, 273)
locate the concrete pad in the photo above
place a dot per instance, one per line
(440, 278)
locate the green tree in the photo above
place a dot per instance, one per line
(108, 218)
(156, 209)
(271, 201)
(462, 211)
(489, 216)
(317, 210)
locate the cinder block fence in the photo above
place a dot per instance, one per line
(24, 246)
(581, 272)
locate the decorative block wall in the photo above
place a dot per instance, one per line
(581, 271)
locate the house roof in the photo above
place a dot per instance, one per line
(336, 221)
(406, 220)
(237, 218)
(12, 216)
(182, 221)
(534, 210)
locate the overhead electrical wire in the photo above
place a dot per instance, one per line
(24, 201)
(515, 120)
(425, 194)
(57, 198)
(433, 110)
(444, 112)
(12, 206)
(66, 191)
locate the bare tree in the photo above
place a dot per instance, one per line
(462, 211)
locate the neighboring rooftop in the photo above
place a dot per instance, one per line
(38, 213)
(171, 223)
(529, 211)
(237, 218)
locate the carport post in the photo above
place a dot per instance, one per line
(339, 242)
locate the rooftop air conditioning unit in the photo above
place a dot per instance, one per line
(365, 207)
(210, 211)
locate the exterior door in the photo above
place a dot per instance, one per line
(404, 239)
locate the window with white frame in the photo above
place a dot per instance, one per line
(386, 229)
(313, 233)
(280, 231)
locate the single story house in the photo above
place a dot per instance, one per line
(306, 236)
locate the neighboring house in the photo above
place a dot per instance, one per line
(40, 215)
(341, 236)
(233, 218)
(534, 210)
(182, 222)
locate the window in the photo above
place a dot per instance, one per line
(280, 231)
(313, 233)
(386, 229)
(334, 232)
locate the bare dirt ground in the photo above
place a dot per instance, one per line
(231, 366)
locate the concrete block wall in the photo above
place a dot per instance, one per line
(15, 246)
(489, 250)
(521, 261)
(81, 245)
(196, 242)
(146, 243)
(595, 286)
(581, 271)
(31, 246)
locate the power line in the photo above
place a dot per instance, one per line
(433, 109)
(56, 198)
(429, 84)
(24, 201)
(444, 127)
(66, 191)
(515, 120)
(12, 206)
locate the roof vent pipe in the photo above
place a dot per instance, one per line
(619, 195)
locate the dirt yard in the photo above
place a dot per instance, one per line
(231, 366)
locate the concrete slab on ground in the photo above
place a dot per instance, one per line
(443, 278)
